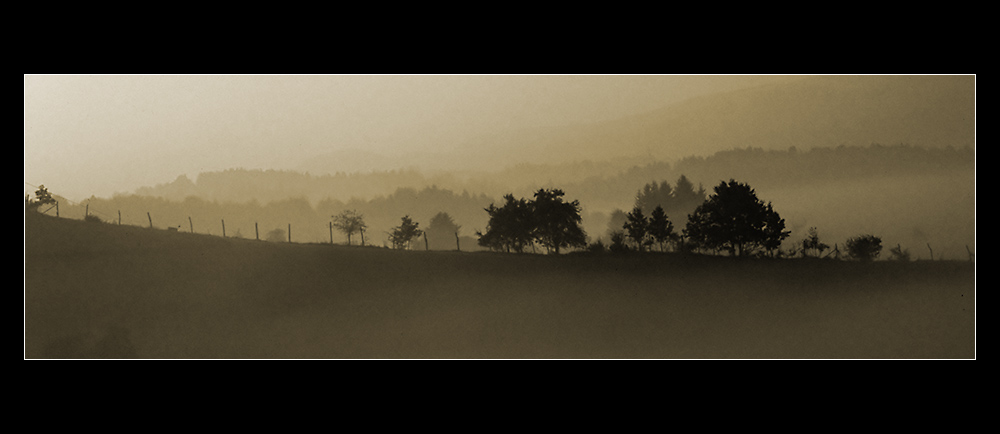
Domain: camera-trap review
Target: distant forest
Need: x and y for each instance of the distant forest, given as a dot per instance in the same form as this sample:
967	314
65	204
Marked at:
598	185
274	199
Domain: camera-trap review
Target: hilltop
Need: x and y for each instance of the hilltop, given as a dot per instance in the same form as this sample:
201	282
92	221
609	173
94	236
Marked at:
812	111
102	290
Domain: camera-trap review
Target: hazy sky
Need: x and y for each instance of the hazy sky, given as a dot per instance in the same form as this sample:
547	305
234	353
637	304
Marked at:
97	135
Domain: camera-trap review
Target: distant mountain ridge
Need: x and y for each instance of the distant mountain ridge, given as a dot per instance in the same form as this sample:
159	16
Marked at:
824	111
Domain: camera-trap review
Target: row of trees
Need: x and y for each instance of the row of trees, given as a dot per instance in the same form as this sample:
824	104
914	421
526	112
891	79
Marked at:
442	228
733	220
547	220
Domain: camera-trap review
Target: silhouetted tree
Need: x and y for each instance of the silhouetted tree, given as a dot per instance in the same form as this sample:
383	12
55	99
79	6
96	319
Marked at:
349	222
42	197
407	230
441	232
557	223
865	248
510	226
549	220
637	228
735	220
812	243
661	229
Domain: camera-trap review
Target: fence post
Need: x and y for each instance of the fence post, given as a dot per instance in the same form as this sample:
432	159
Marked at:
362	237
119	217
458	244
223	228
191	224
932	250
150	219
87	212
256	231
57	208
331	232
289	232
426	246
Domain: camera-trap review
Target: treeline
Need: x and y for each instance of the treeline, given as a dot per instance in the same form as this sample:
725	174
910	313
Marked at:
308	222
243	185
599	185
732	220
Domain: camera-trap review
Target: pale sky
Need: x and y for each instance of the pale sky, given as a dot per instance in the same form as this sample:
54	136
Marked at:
97	135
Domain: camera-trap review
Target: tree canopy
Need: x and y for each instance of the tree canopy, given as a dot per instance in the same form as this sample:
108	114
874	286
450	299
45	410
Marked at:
349	222
548	220
511	226
735	220
865	248
441	232
404	233
637	228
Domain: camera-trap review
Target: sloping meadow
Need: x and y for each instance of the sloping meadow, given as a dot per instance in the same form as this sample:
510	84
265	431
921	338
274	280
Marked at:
102	291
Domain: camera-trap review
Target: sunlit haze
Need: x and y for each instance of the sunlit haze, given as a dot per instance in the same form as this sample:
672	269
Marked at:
97	135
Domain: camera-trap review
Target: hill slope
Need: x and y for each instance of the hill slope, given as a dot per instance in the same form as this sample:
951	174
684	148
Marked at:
98	290
825	111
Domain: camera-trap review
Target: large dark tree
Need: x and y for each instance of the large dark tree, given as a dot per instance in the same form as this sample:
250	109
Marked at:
511	226
735	220
519	223
557	222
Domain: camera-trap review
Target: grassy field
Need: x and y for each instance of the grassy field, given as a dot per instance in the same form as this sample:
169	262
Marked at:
97	290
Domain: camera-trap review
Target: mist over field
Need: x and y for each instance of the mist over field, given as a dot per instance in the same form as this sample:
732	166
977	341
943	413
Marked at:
229	191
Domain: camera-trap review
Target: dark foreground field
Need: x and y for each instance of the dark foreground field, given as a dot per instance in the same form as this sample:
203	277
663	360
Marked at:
103	291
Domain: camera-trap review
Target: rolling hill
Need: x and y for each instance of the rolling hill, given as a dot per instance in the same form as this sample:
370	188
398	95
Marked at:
95	290
822	111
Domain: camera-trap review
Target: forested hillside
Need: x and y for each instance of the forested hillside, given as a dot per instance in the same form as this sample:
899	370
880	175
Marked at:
841	190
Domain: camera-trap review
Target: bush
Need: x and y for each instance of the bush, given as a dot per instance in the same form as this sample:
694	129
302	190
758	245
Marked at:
275	236
900	254
618	243
597	247
92	218
864	247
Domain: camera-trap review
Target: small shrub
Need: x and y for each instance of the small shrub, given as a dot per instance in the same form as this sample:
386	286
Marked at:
864	248
92	218
597	247
618	244
899	254
275	236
